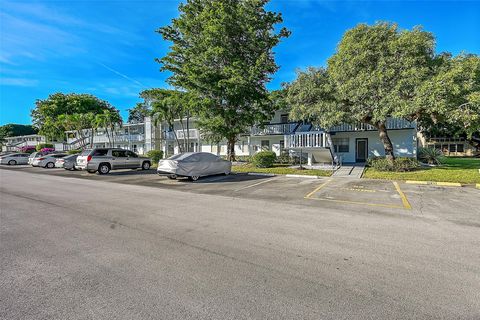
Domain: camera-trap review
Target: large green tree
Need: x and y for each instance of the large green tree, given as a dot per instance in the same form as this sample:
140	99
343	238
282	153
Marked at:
222	52
46	113
374	72
13	130
138	113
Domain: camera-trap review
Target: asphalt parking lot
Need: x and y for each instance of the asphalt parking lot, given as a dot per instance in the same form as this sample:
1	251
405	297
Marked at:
360	196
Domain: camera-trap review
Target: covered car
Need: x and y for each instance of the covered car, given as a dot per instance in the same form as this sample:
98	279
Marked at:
193	165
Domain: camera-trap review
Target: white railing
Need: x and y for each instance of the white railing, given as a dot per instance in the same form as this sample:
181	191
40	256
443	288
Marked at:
192	134
312	139
392	123
273	129
119	138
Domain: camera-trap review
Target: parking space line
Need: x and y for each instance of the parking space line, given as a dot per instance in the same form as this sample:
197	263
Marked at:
405	202
362	203
317	189
254	185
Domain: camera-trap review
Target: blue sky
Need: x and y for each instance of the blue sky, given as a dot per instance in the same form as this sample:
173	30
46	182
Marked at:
107	48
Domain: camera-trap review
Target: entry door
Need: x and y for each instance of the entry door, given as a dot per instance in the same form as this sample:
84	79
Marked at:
361	150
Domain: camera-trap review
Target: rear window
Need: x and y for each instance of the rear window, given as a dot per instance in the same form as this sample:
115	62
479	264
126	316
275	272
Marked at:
100	152
85	152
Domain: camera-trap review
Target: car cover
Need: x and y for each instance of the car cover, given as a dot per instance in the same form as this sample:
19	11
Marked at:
194	164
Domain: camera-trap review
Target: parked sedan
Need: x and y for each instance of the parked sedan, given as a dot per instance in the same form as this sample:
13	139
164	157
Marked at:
14	158
47	161
68	162
193	165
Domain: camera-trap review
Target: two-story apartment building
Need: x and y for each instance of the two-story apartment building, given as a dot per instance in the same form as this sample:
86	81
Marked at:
345	143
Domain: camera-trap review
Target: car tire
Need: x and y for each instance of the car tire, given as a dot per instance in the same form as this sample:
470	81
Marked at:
172	177
50	165
103	168
146	165
12	162
91	171
193	178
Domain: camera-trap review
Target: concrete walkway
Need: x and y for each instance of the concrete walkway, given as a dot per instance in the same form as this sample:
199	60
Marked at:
354	170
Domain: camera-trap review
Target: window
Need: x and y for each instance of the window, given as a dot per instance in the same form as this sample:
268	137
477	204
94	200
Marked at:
282	144
119	153
460	148
99	152
265	145
284	118
131	154
341	145
452	148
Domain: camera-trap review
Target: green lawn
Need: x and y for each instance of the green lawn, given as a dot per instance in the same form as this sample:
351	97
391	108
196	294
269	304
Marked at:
281	169
463	170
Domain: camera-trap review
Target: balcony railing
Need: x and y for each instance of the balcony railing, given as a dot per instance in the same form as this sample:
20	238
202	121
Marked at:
119	138
274	129
392	123
311	139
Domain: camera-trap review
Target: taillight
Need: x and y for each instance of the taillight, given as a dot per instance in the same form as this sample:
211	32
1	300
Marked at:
89	158
40	158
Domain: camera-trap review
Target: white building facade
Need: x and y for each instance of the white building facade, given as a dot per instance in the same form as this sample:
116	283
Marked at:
346	143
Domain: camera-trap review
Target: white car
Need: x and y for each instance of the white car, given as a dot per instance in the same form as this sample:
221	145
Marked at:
47	161
14	158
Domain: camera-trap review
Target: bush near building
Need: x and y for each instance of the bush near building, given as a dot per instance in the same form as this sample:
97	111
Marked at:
155	155
74	151
264	159
41	146
398	165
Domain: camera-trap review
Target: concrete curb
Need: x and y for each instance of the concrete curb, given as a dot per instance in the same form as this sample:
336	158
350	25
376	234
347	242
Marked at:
444	184
302	176
261	174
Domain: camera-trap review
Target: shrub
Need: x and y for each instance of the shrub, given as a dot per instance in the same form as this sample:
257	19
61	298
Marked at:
399	164
430	155
155	155
264	159
40	146
74	151
27	149
284	158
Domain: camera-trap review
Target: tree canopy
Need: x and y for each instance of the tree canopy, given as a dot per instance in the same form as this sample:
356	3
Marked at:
14	130
380	71
49	115
222	52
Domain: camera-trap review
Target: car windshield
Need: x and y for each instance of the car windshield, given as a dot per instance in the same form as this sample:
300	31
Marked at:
33	155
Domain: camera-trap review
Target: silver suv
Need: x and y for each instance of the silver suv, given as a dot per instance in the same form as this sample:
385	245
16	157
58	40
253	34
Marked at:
105	159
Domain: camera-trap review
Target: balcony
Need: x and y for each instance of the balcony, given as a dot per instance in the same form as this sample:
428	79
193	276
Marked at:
119	138
311	139
274	129
392	124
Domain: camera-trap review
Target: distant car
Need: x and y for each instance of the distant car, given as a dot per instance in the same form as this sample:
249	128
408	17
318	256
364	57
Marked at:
36	154
14	158
105	159
48	160
68	162
193	165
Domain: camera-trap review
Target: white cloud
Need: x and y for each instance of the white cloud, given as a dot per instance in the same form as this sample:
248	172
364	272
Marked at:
18	82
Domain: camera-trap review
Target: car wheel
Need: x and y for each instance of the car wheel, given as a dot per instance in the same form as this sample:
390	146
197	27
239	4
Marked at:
226	173
12	162
146	165
193	178
172	176
50	165
103	168
91	171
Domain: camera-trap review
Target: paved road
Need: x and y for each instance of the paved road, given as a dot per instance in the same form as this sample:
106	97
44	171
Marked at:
88	249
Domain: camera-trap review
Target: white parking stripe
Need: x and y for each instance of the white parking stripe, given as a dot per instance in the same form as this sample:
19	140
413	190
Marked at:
255	184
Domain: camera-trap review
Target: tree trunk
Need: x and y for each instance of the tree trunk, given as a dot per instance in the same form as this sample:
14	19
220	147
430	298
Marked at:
387	143
231	149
